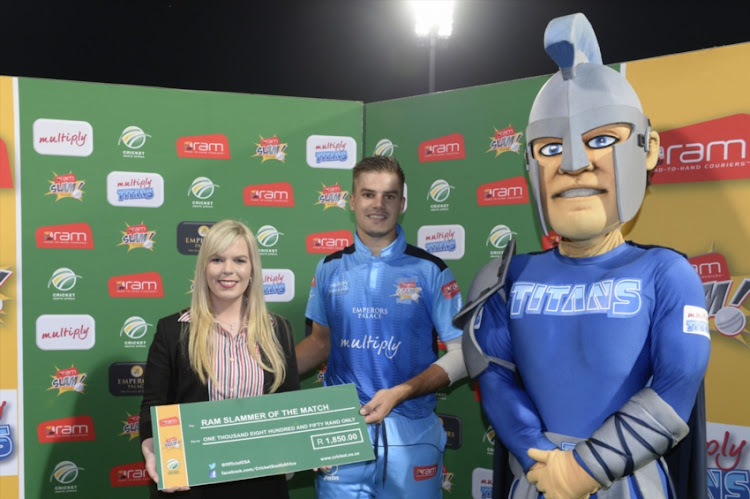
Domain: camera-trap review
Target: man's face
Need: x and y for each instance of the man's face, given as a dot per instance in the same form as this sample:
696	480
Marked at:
581	205
377	201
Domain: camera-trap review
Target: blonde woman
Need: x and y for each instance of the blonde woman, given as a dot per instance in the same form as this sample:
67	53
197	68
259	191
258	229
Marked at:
226	345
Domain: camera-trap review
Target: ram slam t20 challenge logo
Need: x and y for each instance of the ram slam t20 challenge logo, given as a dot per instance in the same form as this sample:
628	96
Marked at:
66	186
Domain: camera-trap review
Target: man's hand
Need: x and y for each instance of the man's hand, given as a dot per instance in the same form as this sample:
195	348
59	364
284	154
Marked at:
558	475
382	403
147	448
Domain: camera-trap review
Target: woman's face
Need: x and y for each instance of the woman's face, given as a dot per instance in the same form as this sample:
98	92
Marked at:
228	273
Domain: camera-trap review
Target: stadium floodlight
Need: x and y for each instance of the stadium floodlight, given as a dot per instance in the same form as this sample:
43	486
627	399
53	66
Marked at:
433	19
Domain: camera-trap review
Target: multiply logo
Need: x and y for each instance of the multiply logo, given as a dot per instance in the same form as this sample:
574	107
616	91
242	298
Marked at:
328	242
6	439
481	483
63	137
330	151
65	332
134	138
135	189
270	148
131	426
6	179
712	150
127	475
278	285
137	236
67	236
215	146
502	192
505	140
442	148
143	285
72	429
728	465
66	186
332	196
727	312
446	241
278	194
68	380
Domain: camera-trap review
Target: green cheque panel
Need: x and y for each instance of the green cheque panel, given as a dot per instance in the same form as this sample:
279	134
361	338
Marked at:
224	440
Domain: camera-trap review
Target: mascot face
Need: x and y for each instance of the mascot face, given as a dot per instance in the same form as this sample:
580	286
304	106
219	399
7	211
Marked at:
580	204
589	143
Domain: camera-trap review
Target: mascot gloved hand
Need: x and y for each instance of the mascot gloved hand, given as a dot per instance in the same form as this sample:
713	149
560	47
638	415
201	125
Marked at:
559	476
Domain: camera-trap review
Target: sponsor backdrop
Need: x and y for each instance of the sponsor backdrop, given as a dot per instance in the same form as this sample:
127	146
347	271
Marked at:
120	183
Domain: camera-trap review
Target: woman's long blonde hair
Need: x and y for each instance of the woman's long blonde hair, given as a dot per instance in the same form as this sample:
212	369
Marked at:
202	323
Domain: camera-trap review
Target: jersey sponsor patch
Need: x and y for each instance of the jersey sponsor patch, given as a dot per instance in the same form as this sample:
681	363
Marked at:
424	472
450	290
695	321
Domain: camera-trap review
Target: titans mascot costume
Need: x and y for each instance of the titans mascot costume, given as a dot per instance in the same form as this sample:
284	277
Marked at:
589	355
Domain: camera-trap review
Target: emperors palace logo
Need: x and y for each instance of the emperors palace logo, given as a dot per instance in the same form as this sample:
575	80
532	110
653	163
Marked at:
725	296
143	285
68	380
332	196
66	186
443	148
214	146
278	194
270	148
712	150
407	290
503	192
505	140
138	236
67	236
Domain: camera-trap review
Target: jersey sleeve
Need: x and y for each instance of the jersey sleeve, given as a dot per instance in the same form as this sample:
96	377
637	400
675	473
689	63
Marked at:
680	340
446	302
315	307
507	405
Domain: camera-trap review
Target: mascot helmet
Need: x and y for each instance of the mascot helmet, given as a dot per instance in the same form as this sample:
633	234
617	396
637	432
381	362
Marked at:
582	96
